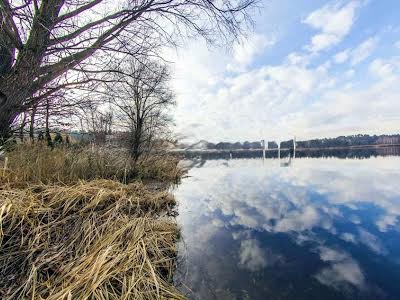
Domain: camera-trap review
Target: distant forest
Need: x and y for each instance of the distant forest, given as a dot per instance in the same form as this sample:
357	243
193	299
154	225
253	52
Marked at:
341	141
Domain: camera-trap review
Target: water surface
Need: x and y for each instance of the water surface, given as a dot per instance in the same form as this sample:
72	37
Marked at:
314	228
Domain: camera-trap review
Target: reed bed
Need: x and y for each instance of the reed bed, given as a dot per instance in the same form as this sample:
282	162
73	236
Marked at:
162	168
40	164
71	232
92	240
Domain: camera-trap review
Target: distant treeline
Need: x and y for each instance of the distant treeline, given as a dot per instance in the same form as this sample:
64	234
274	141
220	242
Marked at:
341	141
236	146
346	141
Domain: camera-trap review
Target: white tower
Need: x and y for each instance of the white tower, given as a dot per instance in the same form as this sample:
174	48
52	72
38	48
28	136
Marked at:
294	147
263	146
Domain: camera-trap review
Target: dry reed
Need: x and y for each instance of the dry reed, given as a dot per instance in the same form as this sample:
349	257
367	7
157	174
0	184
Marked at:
92	240
66	238
40	164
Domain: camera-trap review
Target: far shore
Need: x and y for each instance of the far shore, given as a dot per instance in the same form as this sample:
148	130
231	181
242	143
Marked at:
287	149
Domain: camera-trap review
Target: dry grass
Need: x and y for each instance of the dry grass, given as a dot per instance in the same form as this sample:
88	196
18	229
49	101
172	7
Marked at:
159	167
93	240
40	164
70	229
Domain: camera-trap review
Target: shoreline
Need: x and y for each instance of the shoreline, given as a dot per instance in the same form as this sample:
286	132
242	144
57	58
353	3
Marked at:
179	151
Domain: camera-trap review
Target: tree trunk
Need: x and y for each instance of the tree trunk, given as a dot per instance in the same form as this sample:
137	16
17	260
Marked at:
13	92
48	136
32	125
17	82
22	127
7	117
136	142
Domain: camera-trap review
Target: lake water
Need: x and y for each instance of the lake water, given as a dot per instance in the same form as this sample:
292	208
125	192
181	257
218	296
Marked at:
311	228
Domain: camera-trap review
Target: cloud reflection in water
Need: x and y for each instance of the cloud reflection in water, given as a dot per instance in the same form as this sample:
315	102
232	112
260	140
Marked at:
334	212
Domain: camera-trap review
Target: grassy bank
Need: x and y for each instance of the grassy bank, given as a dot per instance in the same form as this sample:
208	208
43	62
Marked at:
70	228
38	163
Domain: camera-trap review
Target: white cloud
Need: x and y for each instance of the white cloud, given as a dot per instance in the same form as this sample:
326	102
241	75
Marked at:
328	254
294	96
385	69
300	220
252	256
340	273
322	41
386	221
334	23
363	51
263	94
299	59
344	109
290	77
343	269
348	237
371	241
279	101
349	73
358	54
245	51
341	57
397	44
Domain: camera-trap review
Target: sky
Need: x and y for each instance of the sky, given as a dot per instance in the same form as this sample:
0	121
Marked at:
308	69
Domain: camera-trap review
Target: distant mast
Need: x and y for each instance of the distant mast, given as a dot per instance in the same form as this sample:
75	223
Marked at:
263	147
279	150
294	147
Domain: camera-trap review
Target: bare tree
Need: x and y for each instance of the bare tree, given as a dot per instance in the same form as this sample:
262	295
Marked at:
41	40
143	98
32	123
22	126
59	110
97	123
